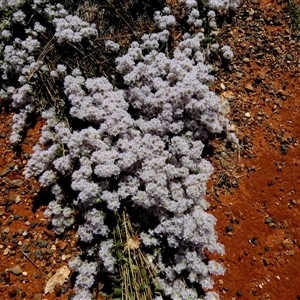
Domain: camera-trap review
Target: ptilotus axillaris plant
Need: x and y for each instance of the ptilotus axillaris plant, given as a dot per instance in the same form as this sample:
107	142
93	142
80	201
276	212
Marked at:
111	151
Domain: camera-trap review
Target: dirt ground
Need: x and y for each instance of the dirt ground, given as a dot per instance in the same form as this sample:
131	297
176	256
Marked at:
258	209
254	193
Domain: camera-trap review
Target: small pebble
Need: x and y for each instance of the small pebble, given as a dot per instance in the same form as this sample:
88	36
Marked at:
229	228
17	270
33	225
43	244
38	253
249	87
18	199
12	293
239	293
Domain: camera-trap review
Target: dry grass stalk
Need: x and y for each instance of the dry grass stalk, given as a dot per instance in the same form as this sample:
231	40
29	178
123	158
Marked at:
137	276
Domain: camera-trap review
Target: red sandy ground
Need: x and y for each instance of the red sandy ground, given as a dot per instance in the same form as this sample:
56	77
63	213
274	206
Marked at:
262	206
263	259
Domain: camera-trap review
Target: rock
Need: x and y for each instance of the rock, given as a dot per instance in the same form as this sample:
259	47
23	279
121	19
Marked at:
12	293
246	60
249	87
287	244
21	293
272	225
238	75
281	93
38	254
18	199
37	297
266	262
62	245
17	217
17	270
284	224
6	277
262	74
33	224
269	220
254	241
239	293
277	21
42	244
227	96
251	12
229	228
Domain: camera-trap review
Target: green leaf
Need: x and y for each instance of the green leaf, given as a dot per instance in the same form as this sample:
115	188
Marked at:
104	295
117	291
207	40
213	71
144	272
143	287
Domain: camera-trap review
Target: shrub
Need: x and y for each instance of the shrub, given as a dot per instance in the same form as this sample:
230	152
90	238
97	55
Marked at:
133	146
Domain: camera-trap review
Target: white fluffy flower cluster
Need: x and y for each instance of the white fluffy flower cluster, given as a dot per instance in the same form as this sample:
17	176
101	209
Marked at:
167	89
73	29
164	19
222	4
19	17
11	4
226	52
212	4
85	278
112	46
19	123
94	226
61	217
102	105
14	60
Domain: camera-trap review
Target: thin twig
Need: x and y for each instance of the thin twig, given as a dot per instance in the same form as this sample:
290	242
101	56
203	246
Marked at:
34	264
243	175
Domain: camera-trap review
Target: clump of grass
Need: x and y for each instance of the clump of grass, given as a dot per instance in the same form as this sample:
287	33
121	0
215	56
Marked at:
137	275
